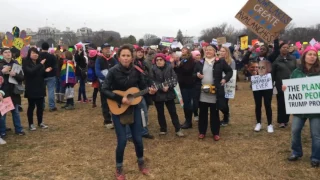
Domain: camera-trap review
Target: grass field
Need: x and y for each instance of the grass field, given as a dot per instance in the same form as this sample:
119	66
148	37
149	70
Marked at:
77	146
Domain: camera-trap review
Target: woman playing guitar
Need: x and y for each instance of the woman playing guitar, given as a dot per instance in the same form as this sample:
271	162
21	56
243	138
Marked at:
122	77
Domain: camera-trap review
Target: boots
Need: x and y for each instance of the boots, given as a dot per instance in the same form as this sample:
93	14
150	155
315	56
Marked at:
58	98
226	119
188	115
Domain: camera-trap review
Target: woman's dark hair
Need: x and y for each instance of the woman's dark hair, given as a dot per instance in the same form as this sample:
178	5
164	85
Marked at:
125	47
315	67
267	48
33	49
68	55
202	53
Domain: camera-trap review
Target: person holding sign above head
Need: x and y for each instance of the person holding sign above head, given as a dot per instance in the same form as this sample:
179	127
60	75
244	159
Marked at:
310	66
121	77
210	85
282	69
262	68
263	54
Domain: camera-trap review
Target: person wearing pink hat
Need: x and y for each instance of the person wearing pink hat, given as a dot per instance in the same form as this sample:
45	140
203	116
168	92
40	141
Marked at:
310	66
92	77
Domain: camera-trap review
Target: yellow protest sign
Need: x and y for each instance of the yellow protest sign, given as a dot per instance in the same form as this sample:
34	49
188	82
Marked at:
244	42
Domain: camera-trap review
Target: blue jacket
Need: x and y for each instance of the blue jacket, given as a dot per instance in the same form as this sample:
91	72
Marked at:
102	64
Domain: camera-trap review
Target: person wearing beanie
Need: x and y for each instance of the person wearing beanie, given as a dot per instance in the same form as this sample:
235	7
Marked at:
196	55
162	71
146	100
282	68
8	89
104	62
92	77
310	66
184	70
50	77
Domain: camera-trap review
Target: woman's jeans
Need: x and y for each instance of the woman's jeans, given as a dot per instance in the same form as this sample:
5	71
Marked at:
82	89
187	96
296	146
135	128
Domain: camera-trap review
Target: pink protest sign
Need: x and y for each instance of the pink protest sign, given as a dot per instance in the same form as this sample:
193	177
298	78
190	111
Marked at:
6	105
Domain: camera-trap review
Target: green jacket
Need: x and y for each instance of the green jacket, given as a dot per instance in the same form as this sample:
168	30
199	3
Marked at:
298	73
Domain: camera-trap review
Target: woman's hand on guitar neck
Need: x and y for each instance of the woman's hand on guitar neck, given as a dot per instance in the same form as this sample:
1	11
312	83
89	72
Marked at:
126	101
152	90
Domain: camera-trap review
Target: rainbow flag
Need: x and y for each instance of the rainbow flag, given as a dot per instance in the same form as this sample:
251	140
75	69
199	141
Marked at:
67	74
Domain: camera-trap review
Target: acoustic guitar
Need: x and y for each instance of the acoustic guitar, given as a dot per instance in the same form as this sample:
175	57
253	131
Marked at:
134	95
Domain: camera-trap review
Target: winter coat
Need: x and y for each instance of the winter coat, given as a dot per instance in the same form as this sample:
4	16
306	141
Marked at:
51	61
160	75
7	87
34	74
282	69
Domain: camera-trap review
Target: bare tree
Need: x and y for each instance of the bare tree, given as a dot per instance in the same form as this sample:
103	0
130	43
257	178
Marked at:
150	39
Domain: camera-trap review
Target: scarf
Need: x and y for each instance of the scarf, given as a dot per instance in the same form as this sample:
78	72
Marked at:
67	75
210	61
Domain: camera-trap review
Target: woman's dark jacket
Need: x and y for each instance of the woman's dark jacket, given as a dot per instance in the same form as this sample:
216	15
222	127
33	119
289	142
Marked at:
81	63
34	74
282	69
185	72
160	75
220	66
121	78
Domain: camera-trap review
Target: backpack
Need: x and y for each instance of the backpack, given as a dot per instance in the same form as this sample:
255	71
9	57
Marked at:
91	75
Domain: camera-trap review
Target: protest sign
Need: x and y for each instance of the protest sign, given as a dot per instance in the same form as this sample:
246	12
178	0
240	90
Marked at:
312	42
6	105
221	40
17	69
244	42
263	18
230	87
214	42
261	82
302	95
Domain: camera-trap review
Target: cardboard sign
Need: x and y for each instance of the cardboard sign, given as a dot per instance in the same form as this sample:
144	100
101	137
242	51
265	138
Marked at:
244	42
263	18
302	95
261	82
6	105
230	87
221	40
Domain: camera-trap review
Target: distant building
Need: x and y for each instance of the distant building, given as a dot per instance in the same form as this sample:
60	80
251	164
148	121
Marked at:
84	32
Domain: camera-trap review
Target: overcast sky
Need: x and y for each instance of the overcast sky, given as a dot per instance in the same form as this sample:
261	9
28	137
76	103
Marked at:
137	17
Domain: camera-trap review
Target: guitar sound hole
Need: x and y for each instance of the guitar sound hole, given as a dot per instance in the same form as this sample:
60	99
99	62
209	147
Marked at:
130	97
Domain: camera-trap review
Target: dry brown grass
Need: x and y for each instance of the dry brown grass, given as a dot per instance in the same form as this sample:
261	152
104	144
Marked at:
77	146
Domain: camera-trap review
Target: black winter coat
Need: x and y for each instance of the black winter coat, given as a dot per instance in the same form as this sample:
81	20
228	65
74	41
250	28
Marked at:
185	72
219	67
81	63
121	78
282	69
34	74
160	75
51	61
7	87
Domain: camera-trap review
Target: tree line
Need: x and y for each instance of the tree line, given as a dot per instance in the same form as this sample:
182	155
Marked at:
292	33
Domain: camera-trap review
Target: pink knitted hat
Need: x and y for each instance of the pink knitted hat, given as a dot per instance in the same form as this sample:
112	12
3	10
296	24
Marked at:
310	48
194	54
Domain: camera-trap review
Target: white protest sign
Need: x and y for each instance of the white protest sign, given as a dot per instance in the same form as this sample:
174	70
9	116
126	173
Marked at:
15	68
312	42
230	87
261	82
302	95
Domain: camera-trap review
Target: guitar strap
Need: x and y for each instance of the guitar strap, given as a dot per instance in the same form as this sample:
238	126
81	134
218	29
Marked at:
140	70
